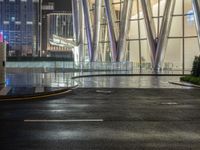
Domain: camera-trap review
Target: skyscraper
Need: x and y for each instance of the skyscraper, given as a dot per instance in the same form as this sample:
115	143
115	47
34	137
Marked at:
56	20
20	22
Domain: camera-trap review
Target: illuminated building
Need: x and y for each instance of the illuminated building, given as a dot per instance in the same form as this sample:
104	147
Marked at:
20	21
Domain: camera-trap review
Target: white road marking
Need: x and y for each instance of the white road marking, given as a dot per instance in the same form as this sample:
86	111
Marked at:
104	91
170	103
68	120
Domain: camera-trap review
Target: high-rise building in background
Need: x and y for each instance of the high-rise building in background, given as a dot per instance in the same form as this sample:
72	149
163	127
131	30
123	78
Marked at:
59	29
20	22
47	7
56	24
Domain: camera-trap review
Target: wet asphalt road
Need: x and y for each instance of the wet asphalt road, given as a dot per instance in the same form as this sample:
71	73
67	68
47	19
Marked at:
125	119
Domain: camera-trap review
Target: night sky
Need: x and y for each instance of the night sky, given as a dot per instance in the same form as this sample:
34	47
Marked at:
61	5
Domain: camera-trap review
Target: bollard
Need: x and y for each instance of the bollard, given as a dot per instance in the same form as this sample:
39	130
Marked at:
2	63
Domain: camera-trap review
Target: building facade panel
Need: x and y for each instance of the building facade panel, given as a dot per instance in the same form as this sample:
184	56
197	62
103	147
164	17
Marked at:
182	45
19	22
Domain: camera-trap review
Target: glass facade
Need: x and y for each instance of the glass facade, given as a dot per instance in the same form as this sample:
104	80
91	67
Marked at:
20	24
182	45
59	26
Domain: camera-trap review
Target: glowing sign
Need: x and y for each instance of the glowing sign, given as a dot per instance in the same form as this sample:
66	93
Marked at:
8	81
1	36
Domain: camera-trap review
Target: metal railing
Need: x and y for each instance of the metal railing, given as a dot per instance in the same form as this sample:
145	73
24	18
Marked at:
105	66
62	65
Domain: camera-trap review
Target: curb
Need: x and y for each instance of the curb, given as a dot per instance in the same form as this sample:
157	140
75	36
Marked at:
186	85
109	75
37	96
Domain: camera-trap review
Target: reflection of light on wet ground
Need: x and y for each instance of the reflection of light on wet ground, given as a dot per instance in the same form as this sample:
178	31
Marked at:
130	82
7	81
65	80
40	79
170	103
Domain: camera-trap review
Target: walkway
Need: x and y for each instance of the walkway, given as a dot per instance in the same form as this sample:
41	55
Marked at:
32	83
130	82
26	85
106	79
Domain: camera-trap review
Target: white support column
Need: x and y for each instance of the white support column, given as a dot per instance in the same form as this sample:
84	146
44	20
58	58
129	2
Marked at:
110	13
2	63
196	8
97	28
40	29
82	33
105	45
88	27
75	15
164	33
150	27
78	30
124	29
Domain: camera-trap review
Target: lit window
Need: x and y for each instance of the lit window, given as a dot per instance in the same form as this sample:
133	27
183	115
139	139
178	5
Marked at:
17	22
12	19
29	22
6	22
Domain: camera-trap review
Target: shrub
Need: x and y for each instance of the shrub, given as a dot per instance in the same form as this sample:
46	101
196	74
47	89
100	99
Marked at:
194	78
196	67
191	79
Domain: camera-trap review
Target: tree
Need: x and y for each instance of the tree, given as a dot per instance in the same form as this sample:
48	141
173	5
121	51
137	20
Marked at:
196	67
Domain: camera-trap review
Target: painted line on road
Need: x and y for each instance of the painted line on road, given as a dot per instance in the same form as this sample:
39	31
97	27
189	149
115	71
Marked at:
170	103
60	121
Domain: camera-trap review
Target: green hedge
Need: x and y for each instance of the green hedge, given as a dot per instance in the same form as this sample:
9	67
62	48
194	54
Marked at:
191	79
194	78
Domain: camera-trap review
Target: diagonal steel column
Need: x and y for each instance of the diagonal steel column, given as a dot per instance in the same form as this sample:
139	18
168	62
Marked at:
196	8
82	28
76	20
103	37
76	32
105	44
88	28
164	33
110	13
124	29
150	27
97	28
78	29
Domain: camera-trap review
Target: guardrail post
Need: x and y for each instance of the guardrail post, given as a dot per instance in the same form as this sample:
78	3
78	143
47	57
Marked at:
2	63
